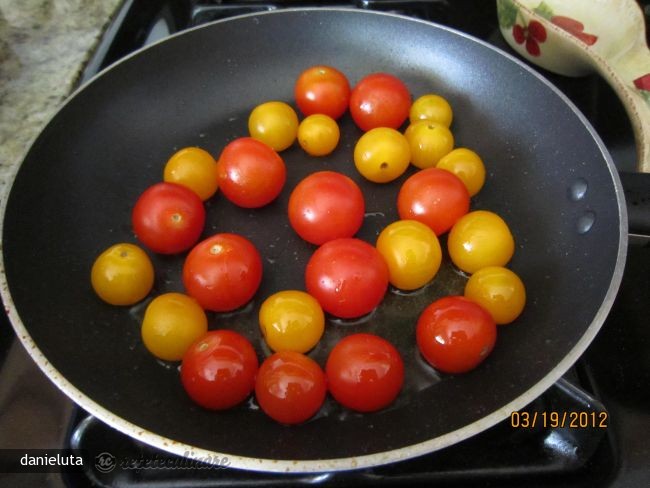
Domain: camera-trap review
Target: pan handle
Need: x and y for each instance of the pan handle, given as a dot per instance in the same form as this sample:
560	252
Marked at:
637	196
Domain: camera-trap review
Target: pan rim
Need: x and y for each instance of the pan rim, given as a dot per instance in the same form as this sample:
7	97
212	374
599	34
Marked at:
334	464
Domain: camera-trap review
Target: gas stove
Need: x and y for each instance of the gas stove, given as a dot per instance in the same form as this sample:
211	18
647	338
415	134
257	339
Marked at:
607	386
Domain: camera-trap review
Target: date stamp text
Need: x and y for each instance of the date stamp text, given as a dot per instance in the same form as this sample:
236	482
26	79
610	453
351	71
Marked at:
559	419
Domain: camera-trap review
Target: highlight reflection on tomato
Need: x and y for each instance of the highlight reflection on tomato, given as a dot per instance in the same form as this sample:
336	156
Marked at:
467	165
364	372
194	168
431	107
275	124
290	387
499	291
318	134
479	239
322	90
172	322
428	143
250	173
382	154
380	100
348	277
168	218
122	274
218	370
326	205
434	197
291	320
455	335
223	272
412	253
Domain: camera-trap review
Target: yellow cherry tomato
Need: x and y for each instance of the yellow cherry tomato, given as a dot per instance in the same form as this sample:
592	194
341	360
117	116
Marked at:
275	124
480	239
428	141
122	274
431	107
318	134
411	251
467	165
499	291
382	154
195	169
291	320
172	323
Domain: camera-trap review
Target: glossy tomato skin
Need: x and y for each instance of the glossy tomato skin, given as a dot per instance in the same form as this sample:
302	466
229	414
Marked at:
364	372
435	197
194	168
122	275
431	107
380	100
454	334
274	123
223	272
291	320
171	323
322	90
318	134
480	239
411	251
290	387
168	218
428	142
382	154
250	173
348	277
467	165
326	205
218	370
499	291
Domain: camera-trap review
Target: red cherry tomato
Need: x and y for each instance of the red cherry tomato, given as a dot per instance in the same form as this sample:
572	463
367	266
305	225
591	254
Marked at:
455	334
223	272
348	277
290	387
326	205
250	173
364	372
380	100
435	197
322	90
218	370
168	218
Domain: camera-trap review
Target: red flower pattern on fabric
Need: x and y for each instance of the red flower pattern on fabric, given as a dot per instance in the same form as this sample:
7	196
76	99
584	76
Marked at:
532	34
575	28
643	82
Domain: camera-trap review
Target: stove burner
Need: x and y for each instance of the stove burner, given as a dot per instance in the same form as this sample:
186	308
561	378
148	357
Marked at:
514	451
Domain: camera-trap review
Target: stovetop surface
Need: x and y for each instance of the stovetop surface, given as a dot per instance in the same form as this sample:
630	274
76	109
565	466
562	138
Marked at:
609	381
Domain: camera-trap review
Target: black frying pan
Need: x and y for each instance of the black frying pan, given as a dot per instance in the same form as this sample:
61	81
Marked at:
73	195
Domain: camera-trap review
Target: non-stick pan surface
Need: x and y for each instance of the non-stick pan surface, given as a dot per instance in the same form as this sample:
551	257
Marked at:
548	175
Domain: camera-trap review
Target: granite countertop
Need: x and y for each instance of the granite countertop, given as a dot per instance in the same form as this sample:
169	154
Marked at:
44	45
